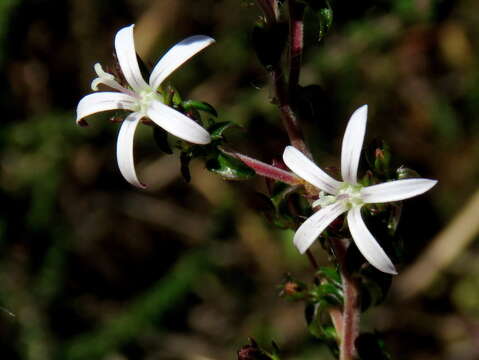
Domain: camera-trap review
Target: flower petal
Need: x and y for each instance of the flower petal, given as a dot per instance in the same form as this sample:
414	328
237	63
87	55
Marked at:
315	225
126	54
396	190
176	56
352	144
124	149
177	124
103	101
367	244
302	166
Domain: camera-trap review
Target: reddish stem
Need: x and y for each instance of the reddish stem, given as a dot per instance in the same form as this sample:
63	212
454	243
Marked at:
266	170
351	307
290	121
296	35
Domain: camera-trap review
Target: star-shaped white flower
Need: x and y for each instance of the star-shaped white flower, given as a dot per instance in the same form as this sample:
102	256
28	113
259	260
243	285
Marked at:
142	98
338	197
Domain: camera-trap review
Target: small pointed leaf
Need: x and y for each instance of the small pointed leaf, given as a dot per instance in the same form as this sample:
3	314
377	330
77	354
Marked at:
216	130
199	105
229	168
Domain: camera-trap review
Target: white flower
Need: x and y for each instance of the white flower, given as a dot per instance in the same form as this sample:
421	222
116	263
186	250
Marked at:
142	98
348	195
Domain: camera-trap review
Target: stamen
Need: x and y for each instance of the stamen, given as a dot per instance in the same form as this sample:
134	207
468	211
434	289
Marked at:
103	77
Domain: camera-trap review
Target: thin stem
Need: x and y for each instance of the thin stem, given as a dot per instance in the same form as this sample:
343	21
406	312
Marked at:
290	121
296	34
351	308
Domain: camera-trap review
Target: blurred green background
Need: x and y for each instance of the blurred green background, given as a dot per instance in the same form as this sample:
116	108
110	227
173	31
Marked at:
91	268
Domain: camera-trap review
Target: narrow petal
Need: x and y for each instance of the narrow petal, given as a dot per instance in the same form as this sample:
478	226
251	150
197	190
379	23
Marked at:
352	144
124	149
396	190
177	124
103	101
176	56
367	244
315	225
126	54
302	166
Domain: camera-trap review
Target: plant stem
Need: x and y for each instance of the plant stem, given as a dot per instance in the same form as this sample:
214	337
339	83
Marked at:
266	170
296	14
290	121
351	308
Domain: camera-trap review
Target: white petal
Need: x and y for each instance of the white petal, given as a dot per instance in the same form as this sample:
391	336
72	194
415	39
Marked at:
352	144
124	149
396	190
103	101
315	225
178	124
302	166
176	56
367	244
126	54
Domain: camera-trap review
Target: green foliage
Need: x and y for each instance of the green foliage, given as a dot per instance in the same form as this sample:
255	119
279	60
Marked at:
319	15
229	168
199	105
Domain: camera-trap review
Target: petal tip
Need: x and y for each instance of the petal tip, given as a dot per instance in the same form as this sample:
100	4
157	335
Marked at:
361	112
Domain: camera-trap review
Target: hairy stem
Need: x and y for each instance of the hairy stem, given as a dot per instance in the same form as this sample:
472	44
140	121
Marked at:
296	13
290	120
351	308
266	170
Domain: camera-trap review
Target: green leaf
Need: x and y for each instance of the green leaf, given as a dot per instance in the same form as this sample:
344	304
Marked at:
331	275
325	21
229	167
216	130
161	138
171	95
320	13
199	105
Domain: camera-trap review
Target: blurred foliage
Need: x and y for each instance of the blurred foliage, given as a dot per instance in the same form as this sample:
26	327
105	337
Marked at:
94	269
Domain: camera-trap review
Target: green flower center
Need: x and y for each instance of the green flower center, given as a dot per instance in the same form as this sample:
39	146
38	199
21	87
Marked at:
145	98
349	194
